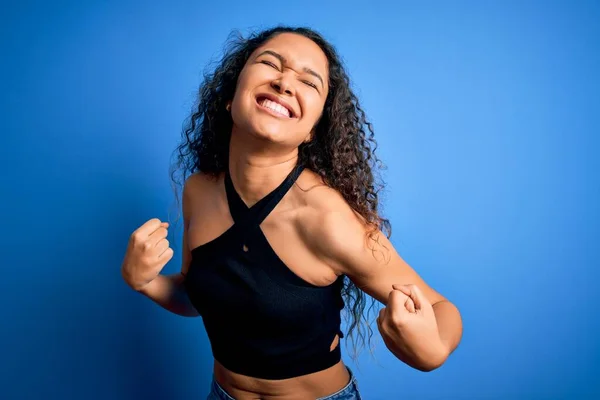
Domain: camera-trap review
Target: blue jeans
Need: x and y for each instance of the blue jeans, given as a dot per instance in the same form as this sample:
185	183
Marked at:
348	392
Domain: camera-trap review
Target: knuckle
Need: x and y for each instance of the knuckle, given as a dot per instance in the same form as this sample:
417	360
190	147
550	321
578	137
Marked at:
138	236
396	295
168	254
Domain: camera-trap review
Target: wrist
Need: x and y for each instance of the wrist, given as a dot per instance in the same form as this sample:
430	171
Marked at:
133	283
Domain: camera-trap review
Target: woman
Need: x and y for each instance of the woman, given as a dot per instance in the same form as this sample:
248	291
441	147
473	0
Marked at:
281	229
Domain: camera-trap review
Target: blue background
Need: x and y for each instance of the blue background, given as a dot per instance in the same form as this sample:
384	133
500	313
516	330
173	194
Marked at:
487	117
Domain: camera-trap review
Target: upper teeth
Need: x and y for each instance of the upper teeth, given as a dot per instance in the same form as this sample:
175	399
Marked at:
278	108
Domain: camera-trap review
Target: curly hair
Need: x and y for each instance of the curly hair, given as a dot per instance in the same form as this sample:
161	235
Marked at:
342	150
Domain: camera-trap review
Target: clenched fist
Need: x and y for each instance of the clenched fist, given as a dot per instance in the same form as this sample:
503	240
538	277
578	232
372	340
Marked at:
409	328
147	253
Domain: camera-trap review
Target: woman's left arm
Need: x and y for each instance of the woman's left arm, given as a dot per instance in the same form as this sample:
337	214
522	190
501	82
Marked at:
418	325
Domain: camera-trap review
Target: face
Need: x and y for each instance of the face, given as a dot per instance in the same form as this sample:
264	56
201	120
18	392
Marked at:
281	90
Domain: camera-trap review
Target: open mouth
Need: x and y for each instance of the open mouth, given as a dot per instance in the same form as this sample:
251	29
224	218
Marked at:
274	107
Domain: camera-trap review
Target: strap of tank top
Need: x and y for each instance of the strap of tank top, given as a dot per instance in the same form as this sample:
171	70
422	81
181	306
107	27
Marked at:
237	207
265	209
243	214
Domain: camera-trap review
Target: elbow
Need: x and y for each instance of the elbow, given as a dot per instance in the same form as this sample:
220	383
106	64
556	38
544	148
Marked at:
434	361
429	367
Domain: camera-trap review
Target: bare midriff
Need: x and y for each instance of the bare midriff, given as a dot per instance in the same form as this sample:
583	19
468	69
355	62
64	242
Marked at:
311	386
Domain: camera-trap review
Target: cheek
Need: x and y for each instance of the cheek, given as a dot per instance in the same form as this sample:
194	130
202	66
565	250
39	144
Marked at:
243	85
312	106
242	104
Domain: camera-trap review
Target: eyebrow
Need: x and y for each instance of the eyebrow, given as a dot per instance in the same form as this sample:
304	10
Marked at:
284	61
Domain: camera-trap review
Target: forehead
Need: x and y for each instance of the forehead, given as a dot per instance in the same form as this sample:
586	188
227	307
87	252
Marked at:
298	50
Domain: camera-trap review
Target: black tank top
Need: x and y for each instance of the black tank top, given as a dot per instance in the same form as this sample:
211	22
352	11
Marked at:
262	320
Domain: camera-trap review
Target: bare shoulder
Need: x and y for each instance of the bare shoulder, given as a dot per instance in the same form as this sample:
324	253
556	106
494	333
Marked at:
341	237
320	199
199	189
327	222
198	182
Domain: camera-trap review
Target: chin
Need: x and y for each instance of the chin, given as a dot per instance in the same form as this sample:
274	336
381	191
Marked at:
272	131
270	135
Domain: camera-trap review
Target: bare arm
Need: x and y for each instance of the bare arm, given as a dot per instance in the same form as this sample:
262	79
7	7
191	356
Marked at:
168	291
338	236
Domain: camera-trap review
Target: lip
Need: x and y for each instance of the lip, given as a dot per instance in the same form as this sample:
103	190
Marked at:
277	100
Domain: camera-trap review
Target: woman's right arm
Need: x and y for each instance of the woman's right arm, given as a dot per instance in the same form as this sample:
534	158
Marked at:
168	291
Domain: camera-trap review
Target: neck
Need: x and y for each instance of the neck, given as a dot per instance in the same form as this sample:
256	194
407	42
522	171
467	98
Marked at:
256	169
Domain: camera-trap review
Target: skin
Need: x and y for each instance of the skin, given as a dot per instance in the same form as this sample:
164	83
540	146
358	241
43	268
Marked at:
324	238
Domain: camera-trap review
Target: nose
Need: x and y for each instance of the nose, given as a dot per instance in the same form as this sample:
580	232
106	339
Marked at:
283	86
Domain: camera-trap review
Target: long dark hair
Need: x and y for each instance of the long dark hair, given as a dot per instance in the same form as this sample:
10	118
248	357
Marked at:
342	150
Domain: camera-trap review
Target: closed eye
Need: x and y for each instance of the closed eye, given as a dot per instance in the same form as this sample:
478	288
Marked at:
269	63
310	84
